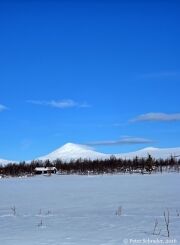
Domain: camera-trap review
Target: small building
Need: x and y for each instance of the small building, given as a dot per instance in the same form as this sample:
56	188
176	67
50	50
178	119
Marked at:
45	170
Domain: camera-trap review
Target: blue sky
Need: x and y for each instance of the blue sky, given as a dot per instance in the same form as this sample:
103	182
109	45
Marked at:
106	73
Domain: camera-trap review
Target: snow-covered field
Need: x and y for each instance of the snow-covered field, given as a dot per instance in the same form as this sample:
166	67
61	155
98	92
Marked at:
82	209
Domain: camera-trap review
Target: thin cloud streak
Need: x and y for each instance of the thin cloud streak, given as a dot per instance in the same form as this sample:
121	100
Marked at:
161	75
122	141
3	108
161	117
61	104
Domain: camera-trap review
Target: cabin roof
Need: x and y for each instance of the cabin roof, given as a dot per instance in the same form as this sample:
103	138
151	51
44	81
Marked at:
44	168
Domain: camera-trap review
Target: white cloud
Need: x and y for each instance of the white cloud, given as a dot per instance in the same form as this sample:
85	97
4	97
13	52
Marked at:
2	107
122	141
162	117
61	104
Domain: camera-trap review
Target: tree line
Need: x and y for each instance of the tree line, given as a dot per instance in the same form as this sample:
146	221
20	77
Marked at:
85	166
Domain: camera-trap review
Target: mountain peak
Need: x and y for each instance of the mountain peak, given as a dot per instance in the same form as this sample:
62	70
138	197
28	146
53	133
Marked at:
74	151
151	148
73	146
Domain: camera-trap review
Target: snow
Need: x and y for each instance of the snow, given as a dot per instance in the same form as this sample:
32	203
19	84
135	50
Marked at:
72	151
157	153
5	162
75	151
81	210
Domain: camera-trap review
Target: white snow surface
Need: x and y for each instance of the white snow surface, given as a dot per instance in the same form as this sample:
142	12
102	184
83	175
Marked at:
81	210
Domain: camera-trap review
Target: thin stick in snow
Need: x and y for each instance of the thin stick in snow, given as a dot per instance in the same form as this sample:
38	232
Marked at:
167	221
155	228
119	211
13	210
40	224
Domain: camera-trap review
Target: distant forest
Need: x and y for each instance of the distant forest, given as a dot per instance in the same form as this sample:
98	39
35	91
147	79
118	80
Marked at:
84	167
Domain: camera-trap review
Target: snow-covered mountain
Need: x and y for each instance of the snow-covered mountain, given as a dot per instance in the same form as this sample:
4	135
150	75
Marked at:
4	162
74	151
154	152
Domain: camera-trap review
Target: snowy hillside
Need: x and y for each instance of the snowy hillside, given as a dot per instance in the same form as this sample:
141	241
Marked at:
4	162
74	151
154	152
